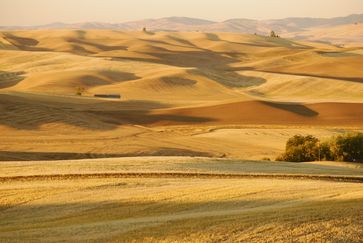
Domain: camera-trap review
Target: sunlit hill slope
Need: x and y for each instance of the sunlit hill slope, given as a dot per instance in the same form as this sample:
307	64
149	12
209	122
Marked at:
205	72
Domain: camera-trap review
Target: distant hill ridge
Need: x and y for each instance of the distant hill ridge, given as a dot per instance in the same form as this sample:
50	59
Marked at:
339	30
194	24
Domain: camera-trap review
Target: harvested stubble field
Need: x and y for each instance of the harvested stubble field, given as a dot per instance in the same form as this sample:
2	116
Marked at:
180	199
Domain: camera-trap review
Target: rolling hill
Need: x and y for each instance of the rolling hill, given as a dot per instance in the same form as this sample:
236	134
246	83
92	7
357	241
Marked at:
349	27
195	81
184	154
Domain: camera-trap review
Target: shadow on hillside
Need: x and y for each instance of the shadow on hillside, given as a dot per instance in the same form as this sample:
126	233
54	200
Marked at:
145	118
213	65
30	113
9	79
30	44
217	65
96	45
176	81
26	44
41	156
182	41
118	76
103	77
298	109
263	42
231	79
212	37
351	79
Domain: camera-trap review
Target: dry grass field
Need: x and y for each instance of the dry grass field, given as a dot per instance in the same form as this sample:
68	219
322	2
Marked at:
146	208
222	102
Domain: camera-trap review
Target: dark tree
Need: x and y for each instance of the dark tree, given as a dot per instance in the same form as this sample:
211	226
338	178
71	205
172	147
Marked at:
273	34
301	148
348	147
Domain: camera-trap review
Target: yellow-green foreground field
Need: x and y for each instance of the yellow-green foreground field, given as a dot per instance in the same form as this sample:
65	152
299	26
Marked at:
180	199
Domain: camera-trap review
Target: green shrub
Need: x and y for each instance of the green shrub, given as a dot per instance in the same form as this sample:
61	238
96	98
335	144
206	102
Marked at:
80	90
325	152
348	147
301	148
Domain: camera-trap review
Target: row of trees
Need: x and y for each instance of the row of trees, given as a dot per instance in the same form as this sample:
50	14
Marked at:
274	35
347	147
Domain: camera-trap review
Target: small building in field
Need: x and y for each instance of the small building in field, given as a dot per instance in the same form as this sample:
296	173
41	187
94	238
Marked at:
108	96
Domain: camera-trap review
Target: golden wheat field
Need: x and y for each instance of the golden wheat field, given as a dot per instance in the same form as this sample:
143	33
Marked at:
182	156
180	199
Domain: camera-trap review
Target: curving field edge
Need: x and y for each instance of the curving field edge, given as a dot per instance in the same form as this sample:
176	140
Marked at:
354	179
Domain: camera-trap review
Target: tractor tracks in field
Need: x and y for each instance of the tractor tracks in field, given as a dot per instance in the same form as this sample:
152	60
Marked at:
182	175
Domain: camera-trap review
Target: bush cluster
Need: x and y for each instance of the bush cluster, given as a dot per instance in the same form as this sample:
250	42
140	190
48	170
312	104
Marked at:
347	147
274	35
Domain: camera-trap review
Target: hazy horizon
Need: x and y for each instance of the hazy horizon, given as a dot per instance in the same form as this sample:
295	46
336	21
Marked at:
38	12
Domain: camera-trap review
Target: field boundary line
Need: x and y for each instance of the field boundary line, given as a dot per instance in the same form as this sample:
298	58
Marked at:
192	175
